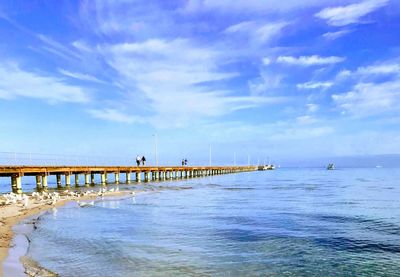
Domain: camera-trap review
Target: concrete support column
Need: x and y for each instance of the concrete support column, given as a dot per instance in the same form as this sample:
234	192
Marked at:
169	174
87	182
38	182
116	177
157	175
162	175
138	177
128	177
92	179
67	180
58	177
153	175
103	179
147	176
44	182
77	180
16	184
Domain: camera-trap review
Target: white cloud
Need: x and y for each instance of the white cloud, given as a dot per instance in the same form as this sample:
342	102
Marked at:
315	85
265	83
302	132
370	98
306	120
258	32
379	69
57	48
336	35
256	6
173	76
115	115
309	60
15	82
266	61
344	15
82	46
312	108
80	76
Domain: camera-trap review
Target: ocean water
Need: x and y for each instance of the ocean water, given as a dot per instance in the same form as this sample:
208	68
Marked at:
287	222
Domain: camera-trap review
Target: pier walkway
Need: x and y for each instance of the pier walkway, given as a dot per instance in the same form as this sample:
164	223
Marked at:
142	173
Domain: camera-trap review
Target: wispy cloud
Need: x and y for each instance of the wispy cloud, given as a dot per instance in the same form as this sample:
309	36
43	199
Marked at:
345	15
115	115
309	60
258	32
173	75
312	108
255	6
366	99
57	48
16	82
336	35
264	84
79	76
315	85
386	68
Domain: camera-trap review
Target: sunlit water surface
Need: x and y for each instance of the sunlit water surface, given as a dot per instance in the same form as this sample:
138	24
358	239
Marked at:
287	222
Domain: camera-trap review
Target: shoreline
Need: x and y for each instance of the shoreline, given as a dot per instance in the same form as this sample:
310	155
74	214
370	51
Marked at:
14	214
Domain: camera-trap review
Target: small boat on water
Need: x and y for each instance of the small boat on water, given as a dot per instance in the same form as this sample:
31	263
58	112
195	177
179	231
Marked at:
330	167
266	167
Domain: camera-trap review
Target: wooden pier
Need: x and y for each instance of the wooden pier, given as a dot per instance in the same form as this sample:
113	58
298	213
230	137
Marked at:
149	173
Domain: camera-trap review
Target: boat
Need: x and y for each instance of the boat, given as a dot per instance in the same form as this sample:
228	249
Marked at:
266	167
330	167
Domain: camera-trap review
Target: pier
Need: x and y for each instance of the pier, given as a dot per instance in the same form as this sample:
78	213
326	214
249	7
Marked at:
141	174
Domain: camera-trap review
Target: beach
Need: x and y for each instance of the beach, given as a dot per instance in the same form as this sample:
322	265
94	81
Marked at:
11	215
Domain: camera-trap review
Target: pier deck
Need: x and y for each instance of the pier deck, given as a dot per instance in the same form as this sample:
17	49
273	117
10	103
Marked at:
149	173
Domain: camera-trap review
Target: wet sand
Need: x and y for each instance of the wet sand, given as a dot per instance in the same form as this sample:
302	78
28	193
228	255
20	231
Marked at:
13	214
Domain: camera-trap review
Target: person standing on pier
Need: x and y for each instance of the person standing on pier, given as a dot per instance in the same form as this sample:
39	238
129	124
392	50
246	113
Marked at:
143	160
138	160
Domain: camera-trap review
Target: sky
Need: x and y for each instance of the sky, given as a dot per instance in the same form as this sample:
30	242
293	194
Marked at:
252	79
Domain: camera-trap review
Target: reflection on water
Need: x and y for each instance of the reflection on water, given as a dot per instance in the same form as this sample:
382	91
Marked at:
298	222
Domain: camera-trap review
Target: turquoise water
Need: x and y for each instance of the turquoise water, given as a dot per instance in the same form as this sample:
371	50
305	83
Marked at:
288	222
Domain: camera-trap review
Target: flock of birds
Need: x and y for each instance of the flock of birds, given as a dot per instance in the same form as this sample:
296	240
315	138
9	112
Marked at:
51	198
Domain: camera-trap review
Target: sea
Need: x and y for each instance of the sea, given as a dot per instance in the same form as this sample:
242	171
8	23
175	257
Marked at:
284	222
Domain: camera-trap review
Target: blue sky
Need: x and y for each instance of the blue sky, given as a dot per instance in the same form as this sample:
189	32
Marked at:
281	79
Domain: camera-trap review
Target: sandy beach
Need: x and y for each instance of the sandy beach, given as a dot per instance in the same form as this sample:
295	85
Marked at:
12	214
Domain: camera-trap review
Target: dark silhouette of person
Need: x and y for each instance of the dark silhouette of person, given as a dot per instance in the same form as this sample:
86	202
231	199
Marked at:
143	160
